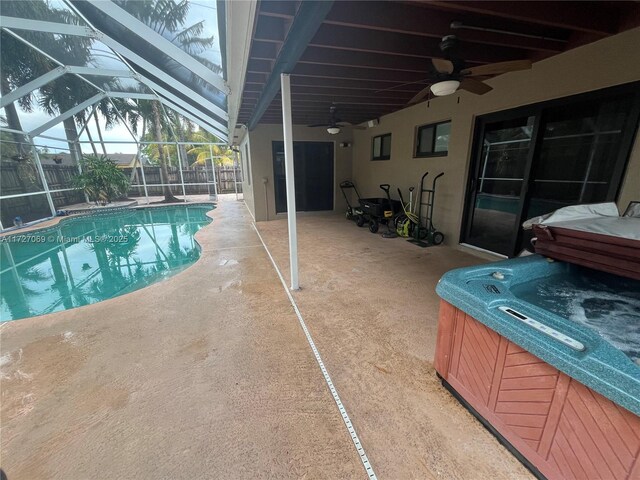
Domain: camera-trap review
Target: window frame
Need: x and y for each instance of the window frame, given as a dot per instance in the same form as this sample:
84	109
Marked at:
381	157
433	153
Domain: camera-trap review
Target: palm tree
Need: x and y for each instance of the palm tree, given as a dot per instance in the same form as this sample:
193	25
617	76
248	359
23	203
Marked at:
20	63
202	152
168	17
157	125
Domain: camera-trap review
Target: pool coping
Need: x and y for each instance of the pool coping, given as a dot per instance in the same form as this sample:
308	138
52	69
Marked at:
54	221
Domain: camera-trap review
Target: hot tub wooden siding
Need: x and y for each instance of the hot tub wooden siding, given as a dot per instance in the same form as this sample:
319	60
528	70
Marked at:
565	429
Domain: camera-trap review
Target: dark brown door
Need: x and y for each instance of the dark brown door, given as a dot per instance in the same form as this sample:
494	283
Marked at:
313	171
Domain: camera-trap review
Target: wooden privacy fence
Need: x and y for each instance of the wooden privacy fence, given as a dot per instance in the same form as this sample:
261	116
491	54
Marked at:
17	178
197	180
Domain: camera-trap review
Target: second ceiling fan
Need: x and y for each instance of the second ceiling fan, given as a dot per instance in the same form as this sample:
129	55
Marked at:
451	73
334	124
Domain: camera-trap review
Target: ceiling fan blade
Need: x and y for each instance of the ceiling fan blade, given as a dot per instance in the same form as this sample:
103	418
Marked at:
442	66
350	125
320	125
420	95
474	86
497	68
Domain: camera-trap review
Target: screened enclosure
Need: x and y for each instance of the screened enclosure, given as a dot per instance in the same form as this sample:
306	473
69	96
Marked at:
137	81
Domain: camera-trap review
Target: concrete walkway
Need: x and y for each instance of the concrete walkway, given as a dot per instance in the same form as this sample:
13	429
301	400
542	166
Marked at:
209	375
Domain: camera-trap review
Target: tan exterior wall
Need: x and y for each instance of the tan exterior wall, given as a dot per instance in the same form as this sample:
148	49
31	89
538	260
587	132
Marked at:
247	176
612	61
261	161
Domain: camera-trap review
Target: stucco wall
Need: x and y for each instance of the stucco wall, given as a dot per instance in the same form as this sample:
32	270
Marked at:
612	61
261	160
247	177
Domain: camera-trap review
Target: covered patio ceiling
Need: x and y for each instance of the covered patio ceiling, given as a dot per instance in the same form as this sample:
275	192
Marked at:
371	57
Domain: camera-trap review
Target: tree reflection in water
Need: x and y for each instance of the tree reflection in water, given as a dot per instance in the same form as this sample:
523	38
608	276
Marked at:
96	258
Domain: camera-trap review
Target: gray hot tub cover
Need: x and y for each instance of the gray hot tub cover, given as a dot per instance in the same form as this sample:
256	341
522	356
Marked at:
600	218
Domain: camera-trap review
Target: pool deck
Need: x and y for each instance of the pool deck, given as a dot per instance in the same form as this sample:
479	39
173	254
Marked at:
209	374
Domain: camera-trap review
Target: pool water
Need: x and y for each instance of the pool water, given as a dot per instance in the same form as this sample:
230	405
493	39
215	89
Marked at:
92	258
608	304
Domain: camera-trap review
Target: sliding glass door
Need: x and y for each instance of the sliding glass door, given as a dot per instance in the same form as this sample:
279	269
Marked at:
504	151
534	160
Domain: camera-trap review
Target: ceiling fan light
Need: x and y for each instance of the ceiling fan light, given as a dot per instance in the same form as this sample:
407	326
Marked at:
333	130
446	87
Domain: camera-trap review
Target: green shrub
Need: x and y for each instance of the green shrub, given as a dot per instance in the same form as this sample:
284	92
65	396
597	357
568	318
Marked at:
101	179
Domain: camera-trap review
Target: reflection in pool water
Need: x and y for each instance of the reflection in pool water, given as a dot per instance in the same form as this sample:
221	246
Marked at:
89	259
608	304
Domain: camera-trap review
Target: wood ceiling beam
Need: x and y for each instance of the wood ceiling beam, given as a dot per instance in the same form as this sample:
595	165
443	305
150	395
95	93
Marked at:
270	29
355	73
278	8
386	90
358	84
411	19
352	93
344	109
264	50
593	17
258	78
259	66
323	114
302	101
329	56
358	39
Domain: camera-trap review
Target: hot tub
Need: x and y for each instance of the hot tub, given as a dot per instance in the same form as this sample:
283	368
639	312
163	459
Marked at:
547	355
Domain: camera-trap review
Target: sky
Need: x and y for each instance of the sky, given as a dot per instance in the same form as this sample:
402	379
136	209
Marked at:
199	9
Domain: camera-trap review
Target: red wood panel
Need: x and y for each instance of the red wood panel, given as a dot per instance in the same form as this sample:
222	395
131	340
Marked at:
446	326
553	417
525	447
562	427
503	346
547	381
513	348
478	358
526	397
587	436
524	420
458	333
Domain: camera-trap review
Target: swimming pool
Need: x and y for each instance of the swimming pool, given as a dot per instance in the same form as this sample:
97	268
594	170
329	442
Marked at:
85	260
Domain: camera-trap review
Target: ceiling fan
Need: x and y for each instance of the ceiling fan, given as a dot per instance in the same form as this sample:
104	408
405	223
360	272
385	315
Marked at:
335	124
451	73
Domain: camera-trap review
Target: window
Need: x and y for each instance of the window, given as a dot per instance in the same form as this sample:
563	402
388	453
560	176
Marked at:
381	147
433	140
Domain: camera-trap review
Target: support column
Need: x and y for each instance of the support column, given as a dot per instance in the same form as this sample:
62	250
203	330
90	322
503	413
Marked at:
144	180
213	169
184	191
235	171
287	128
45	184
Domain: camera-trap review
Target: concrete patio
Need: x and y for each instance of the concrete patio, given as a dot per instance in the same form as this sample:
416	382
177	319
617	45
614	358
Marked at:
209	374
